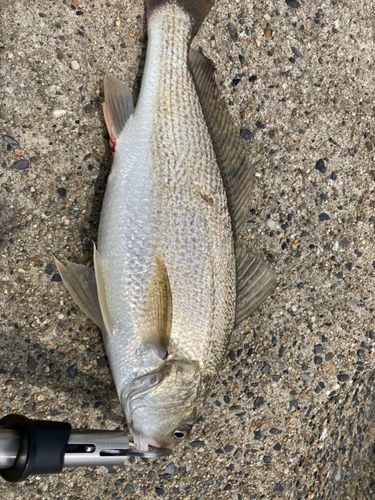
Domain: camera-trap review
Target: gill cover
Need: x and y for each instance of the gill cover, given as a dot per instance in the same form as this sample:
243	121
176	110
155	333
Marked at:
161	406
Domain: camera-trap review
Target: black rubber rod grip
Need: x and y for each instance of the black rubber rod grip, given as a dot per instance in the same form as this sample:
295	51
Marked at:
42	446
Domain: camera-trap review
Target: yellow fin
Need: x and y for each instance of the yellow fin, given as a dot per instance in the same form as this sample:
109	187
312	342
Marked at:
156	318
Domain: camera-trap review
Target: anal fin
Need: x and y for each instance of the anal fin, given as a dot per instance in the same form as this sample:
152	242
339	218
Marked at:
255	282
81	284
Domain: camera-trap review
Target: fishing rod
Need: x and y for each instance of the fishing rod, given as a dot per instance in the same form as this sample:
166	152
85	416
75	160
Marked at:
29	447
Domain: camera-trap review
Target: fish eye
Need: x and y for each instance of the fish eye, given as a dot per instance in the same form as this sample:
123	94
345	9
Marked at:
179	434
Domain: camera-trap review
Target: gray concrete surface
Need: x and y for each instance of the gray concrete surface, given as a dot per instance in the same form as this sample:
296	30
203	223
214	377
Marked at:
291	415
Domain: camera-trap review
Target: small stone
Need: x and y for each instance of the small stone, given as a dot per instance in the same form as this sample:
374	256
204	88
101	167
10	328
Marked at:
258	402
57	113
277	447
318	360
128	489
21	165
296	52
19	152
260	124
333	176
232	355
342	377
56	278
74	65
360	353
318	349
339	275
10	140
257	435
197	444
267	32
274	431
253	78
170	469
320	166
72	371
293	4
246	134
61	192
301	286
344	242
323	216
348	266
59	54
102	362
266	368
228	448
267	459
293	404
232	31
48	270
159	491
305	377
270	258
32	364
79	192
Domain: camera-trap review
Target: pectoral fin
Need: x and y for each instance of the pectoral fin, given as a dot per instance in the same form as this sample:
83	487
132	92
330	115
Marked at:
102	296
255	282
156	318
117	107
81	284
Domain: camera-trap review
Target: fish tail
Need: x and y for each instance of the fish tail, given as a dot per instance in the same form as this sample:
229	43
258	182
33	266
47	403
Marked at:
197	10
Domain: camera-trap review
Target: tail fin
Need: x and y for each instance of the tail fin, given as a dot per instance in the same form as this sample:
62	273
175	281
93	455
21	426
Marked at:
197	9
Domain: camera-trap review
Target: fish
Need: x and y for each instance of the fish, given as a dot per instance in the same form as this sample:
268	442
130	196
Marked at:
171	278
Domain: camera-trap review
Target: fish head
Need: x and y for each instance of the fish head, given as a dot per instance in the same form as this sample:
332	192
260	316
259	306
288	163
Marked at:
162	405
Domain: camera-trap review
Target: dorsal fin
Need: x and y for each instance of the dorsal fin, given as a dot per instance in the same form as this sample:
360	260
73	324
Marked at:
156	319
234	161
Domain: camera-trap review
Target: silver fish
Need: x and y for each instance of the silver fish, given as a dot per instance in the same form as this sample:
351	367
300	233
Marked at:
170	284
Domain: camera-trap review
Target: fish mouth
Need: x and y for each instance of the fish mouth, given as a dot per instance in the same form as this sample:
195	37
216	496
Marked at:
146	448
143	443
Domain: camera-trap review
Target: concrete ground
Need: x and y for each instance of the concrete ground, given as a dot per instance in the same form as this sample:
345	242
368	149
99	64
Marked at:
292	413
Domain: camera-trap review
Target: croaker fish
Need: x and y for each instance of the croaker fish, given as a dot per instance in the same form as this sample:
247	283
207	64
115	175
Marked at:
170	284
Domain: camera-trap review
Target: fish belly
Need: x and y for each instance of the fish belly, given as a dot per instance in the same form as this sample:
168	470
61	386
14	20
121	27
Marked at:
165	197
